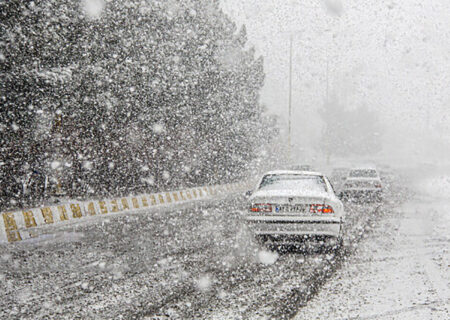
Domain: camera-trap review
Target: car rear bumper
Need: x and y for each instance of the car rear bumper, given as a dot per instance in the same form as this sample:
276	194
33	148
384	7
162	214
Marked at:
364	194
295	226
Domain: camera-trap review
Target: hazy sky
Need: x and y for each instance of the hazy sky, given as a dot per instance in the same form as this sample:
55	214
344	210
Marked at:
391	55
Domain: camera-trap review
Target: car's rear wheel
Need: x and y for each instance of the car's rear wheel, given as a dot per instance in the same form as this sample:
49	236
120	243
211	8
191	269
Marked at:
339	244
261	239
379	197
334	245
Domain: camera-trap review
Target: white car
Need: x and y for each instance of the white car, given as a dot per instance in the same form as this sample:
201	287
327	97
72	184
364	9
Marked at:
363	184
289	207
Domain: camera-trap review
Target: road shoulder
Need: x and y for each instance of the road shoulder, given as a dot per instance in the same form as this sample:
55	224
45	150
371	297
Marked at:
400	271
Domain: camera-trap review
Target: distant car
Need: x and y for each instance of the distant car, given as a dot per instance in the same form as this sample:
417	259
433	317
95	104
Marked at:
363	184
291	207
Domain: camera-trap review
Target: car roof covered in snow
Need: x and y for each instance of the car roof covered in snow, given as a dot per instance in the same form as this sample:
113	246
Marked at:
364	167
305	173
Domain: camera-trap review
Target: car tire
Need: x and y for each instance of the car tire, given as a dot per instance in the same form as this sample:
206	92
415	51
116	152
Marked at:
337	246
340	243
333	245
379	197
261	240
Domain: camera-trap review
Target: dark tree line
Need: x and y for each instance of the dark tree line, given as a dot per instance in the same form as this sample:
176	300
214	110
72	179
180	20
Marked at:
143	96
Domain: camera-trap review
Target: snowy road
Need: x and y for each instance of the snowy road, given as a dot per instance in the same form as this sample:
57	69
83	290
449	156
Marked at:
182	263
401	270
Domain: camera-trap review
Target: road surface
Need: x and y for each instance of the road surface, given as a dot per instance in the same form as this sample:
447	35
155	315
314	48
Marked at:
189	262
400	271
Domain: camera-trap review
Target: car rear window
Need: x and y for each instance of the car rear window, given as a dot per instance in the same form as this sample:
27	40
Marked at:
363	173
360	184
293	182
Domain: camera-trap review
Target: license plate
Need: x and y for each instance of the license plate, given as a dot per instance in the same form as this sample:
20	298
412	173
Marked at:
290	208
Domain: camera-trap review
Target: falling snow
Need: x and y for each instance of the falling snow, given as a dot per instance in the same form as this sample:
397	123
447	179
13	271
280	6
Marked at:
136	137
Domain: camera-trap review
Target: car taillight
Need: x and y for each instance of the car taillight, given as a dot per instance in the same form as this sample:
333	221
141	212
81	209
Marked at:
320	208
261	207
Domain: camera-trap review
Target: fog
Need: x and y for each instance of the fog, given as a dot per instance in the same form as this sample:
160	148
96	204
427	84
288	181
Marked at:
224	159
392	57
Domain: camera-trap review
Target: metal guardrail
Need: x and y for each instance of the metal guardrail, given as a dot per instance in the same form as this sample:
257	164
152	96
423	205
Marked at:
21	225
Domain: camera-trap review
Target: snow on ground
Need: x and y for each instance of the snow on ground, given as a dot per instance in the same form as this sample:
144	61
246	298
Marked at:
401	271
191	263
196	262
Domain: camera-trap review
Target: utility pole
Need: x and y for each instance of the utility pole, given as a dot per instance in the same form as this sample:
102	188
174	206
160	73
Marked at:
290	99
328	71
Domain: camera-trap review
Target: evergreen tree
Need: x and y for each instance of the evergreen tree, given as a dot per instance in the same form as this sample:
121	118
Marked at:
143	95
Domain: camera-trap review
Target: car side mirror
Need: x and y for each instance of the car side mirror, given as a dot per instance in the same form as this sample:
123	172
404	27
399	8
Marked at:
248	194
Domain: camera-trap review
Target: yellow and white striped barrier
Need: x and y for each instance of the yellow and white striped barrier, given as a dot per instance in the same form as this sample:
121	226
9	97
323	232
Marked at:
21	225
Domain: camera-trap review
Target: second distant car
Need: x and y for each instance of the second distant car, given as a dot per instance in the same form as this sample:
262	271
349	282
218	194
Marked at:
363	185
